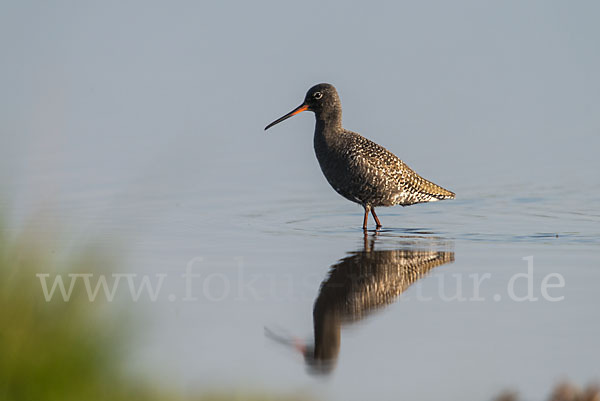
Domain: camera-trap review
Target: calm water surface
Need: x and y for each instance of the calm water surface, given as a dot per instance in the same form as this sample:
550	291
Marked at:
291	296
302	269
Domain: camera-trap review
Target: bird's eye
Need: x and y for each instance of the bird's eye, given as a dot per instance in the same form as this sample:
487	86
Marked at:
318	95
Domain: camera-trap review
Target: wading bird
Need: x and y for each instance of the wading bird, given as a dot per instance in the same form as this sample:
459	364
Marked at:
359	169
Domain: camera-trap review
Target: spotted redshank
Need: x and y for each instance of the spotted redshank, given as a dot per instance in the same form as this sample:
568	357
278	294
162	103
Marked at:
359	169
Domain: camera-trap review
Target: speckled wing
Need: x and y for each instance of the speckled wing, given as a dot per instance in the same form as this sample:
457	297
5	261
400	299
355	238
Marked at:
388	180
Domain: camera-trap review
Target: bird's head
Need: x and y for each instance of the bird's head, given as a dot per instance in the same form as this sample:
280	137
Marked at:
322	99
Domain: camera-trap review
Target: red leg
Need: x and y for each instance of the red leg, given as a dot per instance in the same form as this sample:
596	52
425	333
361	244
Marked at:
376	218
366	219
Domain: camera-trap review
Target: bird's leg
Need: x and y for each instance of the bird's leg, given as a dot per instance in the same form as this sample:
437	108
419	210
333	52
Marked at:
376	218
366	219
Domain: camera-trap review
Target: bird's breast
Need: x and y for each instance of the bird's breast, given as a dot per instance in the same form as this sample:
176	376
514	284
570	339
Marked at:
341	165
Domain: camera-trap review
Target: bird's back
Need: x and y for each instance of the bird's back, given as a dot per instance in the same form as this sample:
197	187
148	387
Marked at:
367	173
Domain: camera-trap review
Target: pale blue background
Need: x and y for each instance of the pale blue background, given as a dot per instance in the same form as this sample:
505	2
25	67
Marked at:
503	89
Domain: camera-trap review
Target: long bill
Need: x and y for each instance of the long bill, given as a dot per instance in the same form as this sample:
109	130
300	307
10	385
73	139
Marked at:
299	109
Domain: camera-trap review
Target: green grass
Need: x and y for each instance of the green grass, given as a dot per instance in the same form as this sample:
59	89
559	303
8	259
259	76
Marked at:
52	350
62	351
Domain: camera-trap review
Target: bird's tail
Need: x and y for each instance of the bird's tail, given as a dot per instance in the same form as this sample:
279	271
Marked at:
442	193
434	190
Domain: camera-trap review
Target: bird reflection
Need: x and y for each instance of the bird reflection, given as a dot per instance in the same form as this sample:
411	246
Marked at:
355	287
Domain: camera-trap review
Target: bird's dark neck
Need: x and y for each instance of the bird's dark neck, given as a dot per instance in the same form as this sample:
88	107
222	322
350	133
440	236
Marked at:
329	121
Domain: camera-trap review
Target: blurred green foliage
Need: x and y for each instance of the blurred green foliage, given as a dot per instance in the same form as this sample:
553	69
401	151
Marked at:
62	351
52	350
